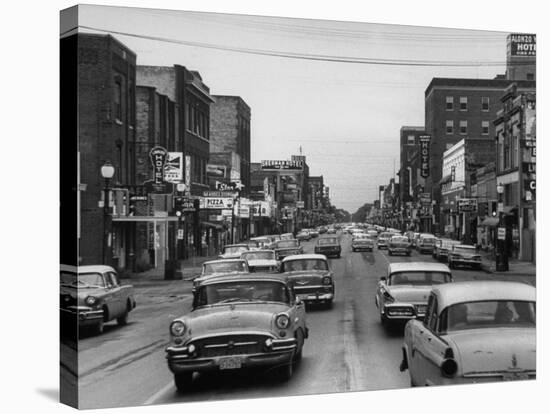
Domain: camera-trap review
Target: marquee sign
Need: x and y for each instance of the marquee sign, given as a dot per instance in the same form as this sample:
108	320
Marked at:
425	155
282	165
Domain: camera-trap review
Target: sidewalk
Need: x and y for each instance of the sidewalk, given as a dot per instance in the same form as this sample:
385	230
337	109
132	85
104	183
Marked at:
516	267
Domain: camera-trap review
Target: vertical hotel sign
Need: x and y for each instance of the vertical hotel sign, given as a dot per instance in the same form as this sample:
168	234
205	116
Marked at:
424	155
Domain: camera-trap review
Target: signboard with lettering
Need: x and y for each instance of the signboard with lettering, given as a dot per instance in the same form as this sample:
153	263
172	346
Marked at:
282	164
425	155
216	170
173	169
501	235
467	205
188	172
522	44
219	193
425	198
216	203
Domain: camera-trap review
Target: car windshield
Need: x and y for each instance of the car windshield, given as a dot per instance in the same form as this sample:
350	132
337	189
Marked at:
464	249
223	267
287	243
399	239
235	249
419	278
386	235
328	241
305	264
488	314
83	280
259	256
242	291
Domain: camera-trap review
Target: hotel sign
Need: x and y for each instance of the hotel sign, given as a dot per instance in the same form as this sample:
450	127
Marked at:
522	44
425	155
282	165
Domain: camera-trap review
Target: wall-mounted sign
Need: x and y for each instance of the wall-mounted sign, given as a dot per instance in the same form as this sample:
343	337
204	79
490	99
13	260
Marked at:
216	203
300	204
158	156
425	198
425	155
467	205
173	169
188	172
282	165
522	44
224	194
501	233
216	170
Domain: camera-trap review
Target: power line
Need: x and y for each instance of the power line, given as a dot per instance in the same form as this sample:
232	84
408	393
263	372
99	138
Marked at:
305	56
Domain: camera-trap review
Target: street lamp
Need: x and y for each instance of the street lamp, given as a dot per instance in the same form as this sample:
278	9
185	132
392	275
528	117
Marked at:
107	172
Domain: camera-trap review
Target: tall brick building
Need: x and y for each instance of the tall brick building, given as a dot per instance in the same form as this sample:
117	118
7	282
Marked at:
230	132
105	85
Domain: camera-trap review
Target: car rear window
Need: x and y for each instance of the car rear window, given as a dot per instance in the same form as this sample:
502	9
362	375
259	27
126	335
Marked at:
304	264
328	241
419	278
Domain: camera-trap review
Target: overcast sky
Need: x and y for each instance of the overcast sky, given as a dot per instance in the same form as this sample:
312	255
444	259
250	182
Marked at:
346	116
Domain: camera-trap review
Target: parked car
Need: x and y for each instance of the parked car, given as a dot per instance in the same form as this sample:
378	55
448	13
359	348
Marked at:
478	331
464	255
284	248
233	251
310	277
399	245
238	322
442	247
362	242
261	261
425	243
92	296
403	293
329	246
383	240
303	235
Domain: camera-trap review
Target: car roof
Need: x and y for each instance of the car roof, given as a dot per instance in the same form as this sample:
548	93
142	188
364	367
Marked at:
225	261
479	290
236	245
258	251
304	257
95	269
466	246
417	266
245	277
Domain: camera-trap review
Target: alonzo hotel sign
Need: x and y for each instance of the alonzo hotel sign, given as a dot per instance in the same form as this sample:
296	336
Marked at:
522	44
424	155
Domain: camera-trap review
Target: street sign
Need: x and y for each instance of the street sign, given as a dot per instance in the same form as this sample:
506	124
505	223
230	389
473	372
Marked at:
180	234
184	204
501	235
467	205
300	204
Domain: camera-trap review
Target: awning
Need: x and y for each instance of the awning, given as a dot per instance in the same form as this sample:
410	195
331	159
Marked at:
143	218
445	179
212	225
490	221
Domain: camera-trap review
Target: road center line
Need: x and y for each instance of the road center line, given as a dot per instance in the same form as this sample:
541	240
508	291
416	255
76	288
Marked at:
351	350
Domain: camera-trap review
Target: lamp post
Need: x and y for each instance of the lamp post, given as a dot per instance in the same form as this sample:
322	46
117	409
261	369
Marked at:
501	262
107	172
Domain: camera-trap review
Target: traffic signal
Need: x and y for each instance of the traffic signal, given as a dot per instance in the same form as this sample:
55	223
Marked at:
493	208
178	207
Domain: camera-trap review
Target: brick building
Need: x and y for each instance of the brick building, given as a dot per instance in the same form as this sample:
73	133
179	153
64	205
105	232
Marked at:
105	85
230	132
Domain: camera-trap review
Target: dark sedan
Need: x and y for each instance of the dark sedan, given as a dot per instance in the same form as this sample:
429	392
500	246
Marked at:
329	246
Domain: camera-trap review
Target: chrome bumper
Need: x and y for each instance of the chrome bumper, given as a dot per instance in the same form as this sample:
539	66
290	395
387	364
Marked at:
404	311
84	315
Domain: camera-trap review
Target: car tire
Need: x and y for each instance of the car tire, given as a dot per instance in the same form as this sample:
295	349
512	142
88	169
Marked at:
383	320
413	384
299	348
284	372
409	254
183	381
390	253
98	328
339	255
123	320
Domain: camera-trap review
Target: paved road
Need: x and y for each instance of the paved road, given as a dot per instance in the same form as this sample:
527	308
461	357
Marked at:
347	350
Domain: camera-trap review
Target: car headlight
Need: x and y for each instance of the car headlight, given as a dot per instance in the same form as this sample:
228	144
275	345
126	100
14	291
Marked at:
282	321
177	328
90	300
327	280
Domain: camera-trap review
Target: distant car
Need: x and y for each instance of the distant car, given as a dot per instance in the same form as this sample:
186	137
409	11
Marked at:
383	240
464	255
303	235
233	251
329	246
425	243
284	248
477	331
399	245
261	261
362	242
310	277
403	293
322	230
220	267
331	230
262	242
314	233
442	247
287	236
238	322
92	296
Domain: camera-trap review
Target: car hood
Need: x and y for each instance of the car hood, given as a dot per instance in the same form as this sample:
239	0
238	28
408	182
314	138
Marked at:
410	293
233	317
80	293
262	262
496	349
467	255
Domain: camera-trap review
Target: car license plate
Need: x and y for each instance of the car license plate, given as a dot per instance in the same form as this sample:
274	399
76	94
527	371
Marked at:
230	363
515	376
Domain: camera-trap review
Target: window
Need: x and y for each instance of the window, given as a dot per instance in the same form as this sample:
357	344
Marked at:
449	127
515	141
117	98
410	140
449	103
485	103
463	103
530	76
484	127
463	125
507	151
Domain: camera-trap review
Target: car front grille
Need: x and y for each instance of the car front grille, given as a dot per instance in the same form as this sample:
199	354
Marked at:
67	301
229	345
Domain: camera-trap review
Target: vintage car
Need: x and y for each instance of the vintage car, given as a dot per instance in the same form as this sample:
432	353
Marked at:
362	242
233	251
92	296
303	235
329	246
314	233
238	322
399	245
310	277
287	236
261	260
284	248
403	293
331	230
262	242
442	247
425	243
384	239
464	255
477	331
